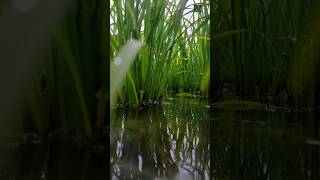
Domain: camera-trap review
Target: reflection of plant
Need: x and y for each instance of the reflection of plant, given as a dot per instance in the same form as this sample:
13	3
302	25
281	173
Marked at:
53	161
257	145
185	109
164	139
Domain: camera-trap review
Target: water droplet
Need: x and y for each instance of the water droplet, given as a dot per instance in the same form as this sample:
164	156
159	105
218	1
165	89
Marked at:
117	61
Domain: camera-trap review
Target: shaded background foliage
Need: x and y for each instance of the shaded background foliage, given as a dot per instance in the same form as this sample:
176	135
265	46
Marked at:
54	66
274	50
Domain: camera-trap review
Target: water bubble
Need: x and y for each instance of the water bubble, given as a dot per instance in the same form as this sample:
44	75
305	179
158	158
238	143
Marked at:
24	5
117	61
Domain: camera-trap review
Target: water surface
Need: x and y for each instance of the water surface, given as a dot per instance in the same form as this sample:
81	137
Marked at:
52	161
184	139
163	142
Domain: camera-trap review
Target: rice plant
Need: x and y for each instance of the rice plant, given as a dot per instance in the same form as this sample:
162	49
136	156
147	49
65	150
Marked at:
121	64
176	40
67	88
77	70
262	58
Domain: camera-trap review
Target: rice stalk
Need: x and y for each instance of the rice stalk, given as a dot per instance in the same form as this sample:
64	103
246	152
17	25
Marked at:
170	31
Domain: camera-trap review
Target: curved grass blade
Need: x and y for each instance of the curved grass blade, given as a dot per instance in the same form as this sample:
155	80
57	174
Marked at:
121	64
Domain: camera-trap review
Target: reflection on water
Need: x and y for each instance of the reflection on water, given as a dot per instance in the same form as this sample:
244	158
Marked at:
261	145
171	142
183	139
51	161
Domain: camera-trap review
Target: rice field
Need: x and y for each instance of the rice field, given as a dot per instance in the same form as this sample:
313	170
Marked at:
249	67
174	56
59	69
272	53
262	51
159	89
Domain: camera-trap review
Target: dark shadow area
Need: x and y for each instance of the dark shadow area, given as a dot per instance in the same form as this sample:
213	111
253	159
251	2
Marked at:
54	89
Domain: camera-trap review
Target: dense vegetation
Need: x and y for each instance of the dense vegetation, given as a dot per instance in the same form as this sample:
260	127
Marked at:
60	49
78	67
272	54
260	50
175	55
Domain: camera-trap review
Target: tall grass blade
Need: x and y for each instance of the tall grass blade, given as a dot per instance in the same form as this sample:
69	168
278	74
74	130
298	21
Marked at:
121	64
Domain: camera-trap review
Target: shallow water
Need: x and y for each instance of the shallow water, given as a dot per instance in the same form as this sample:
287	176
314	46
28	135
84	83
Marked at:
264	145
161	142
183	139
52	161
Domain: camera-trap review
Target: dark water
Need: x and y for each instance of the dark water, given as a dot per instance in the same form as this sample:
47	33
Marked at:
264	145
170	142
184	139
52	161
